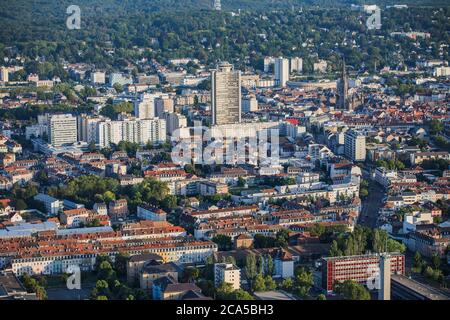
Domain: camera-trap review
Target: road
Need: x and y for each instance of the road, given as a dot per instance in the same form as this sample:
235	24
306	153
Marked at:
371	205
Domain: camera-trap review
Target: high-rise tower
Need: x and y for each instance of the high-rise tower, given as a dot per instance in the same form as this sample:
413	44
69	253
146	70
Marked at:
225	94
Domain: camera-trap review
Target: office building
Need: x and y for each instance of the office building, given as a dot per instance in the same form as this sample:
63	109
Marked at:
228	273
281	71
357	268
355	146
225	94
62	129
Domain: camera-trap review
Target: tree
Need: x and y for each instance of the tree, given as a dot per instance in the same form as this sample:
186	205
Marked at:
418	259
321	297
259	284
224	242
303	281
270	283
287	284
20	205
120	263
101	289
191	274
250	269
118	87
352	290
224	291
241	295
436	261
269	264
109	196
334	249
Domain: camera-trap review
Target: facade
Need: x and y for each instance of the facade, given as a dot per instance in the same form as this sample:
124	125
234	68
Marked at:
118	209
98	77
355	146
179	252
284	264
281	71
163	104
249	104
62	129
296	64
137	262
144	108
174	121
152	271
229	273
4	74
87	127
119	79
139	131
226	94
358	268
52	205
147	212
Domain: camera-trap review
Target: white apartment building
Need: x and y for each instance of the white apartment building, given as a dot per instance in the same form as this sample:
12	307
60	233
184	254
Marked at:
98	77
384	176
131	130
164	103
249	104
296	64
228	273
49	265
62	129
52	205
144	107
416	218
442	71
87	127
355	146
320	66
151	213
119	79
4	74
281	71
174	121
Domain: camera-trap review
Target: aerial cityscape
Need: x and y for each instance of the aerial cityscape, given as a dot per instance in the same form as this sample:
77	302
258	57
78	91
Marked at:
254	150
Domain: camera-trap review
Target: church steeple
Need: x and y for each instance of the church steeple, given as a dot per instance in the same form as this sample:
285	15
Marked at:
343	87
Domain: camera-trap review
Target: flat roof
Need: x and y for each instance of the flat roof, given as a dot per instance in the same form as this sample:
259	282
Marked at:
274	295
423	289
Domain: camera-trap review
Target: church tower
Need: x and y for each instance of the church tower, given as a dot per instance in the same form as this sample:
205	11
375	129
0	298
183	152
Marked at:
342	89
